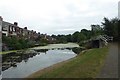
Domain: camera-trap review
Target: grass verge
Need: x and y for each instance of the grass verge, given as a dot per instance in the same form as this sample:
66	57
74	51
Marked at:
6	52
85	65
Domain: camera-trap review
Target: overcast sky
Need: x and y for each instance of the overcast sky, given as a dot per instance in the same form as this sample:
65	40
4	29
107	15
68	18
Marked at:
119	10
57	16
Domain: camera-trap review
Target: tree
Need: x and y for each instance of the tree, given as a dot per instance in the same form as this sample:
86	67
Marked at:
96	30
81	37
75	36
111	27
86	33
107	27
69	38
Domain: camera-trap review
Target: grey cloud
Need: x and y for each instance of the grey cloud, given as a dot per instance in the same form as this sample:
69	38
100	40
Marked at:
57	22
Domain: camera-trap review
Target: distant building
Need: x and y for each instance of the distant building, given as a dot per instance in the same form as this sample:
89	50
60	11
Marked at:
25	33
5	28
17	29
12	29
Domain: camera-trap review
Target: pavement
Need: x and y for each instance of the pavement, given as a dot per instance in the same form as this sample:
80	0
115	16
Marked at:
110	68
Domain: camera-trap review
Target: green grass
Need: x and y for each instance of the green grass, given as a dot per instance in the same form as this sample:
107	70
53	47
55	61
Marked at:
85	65
5	52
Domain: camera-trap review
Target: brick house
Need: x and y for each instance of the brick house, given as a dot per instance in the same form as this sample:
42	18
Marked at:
25	33
13	30
9	29
5	28
35	35
20	32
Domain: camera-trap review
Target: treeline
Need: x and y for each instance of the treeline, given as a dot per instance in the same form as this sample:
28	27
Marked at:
108	27
112	28
77	36
15	43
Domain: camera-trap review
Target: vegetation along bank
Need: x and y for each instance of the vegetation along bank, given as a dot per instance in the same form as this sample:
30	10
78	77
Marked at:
85	65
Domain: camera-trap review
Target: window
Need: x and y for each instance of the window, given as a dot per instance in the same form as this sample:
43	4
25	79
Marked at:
4	28
10	28
13	28
3	34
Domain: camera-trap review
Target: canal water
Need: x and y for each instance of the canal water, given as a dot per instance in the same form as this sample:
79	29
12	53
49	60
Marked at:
25	63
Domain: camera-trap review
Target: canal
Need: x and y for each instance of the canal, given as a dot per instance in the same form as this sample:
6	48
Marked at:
23	63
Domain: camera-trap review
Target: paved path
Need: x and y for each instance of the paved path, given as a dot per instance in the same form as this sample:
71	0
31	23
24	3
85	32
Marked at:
110	68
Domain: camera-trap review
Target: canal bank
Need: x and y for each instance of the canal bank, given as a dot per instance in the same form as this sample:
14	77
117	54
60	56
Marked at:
85	65
29	61
49	46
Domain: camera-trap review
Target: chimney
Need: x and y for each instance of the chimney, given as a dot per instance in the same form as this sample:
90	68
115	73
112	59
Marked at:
15	23
39	33
25	28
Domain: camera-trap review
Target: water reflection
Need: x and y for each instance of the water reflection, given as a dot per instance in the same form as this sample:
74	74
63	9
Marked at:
25	62
42	50
11	59
77	50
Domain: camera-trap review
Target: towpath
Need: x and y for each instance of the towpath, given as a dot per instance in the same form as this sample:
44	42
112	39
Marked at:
110	68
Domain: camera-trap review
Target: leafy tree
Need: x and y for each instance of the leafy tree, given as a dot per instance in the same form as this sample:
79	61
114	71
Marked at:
86	33
96	30
75	36
111	27
81	37
69	38
62	38
107	27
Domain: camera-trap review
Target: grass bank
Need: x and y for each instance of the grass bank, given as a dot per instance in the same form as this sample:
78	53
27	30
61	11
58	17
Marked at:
85	65
6	52
10	51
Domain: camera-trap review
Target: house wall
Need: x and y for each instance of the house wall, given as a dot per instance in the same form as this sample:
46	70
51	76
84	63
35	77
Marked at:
10	29
0	36
5	28
1	27
5	33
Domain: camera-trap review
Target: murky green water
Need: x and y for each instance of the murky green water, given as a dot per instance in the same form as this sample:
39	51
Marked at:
26	63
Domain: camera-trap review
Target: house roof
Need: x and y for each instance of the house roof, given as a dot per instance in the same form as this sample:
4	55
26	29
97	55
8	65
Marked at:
6	24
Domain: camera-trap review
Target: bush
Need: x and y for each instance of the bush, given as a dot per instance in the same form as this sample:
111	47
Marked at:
16	44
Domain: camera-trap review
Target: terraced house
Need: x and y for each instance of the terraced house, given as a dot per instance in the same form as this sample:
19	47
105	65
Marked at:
0	27
32	37
9	29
